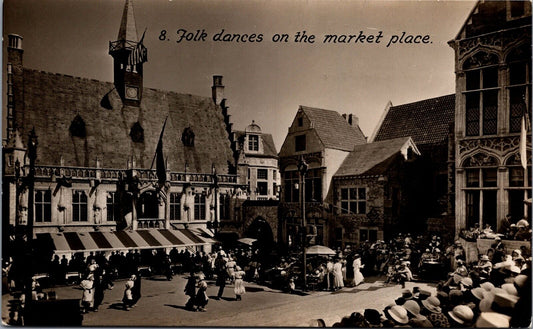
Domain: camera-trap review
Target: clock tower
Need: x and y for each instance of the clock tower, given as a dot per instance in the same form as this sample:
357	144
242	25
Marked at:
129	55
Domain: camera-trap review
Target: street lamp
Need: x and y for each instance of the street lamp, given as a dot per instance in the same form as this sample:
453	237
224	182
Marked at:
32	155
302	170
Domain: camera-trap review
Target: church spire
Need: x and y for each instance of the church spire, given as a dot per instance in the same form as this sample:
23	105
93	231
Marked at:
128	28
129	54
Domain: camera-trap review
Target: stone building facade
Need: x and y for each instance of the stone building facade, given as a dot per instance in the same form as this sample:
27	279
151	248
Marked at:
493	94
369	193
322	138
95	168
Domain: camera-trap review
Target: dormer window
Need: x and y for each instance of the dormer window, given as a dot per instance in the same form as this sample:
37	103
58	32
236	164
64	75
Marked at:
253	143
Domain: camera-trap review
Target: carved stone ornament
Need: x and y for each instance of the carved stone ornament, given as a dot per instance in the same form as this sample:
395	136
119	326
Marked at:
479	59
480	160
498	144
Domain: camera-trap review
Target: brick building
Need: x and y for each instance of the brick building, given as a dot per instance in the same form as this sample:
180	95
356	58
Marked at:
95	168
323	139
493	92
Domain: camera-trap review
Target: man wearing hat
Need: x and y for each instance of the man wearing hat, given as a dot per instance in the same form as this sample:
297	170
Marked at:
434	312
398	315
373	318
461	316
416	320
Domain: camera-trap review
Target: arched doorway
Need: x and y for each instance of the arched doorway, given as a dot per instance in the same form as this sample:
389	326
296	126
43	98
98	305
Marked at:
260	230
148	205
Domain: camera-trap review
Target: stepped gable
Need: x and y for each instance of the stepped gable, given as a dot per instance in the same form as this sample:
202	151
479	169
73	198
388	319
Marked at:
373	158
333	130
426	122
52	101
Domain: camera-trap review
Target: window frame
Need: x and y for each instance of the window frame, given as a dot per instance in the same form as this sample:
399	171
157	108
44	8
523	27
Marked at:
350	197
175	206
78	207
44	206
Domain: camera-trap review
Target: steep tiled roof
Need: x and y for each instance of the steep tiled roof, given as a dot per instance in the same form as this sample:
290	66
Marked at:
333	130
426	121
372	158
269	149
52	101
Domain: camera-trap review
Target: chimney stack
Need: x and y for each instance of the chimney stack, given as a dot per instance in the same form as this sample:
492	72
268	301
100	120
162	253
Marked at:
353	120
217	89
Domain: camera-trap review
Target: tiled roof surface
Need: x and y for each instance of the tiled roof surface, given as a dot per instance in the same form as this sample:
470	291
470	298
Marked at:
426	121
51	101
371	158
269	148
333	130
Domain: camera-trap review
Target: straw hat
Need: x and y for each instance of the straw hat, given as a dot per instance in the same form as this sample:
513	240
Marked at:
520	280
467	282
398	314
478	292
484	258
485	305
488	286
461	314
412	307
493	320
522	223
432	304
424	294
505	300
510	289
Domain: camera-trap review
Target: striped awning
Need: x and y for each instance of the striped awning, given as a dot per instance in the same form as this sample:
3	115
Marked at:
123	240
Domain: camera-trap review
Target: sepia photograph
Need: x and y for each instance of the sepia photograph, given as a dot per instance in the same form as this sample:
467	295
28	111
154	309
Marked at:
290	163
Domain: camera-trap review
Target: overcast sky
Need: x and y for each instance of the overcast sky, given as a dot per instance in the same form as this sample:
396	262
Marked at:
264	81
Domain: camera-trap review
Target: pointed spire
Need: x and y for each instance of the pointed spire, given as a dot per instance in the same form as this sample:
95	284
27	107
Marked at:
128	29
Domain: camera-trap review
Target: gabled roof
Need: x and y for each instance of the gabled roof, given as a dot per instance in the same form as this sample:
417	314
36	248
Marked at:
374	158
52	101
269	148
492	16
427	121
333	130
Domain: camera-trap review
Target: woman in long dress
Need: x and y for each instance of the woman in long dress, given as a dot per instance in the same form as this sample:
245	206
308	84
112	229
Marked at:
358	277
338	280
239	283
87	298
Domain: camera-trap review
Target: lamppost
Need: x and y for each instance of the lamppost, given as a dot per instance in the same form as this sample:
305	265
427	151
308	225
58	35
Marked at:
302	169
214	223
32	155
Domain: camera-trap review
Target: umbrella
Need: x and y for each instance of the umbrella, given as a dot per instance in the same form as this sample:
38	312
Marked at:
248	241
319	250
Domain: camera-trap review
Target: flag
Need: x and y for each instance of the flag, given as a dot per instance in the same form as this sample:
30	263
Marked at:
161	171
523	143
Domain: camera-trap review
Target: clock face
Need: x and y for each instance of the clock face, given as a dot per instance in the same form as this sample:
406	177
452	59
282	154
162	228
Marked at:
132	92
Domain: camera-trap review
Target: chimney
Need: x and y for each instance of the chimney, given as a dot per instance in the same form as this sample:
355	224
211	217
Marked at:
353	120
14	81
344	116
217	89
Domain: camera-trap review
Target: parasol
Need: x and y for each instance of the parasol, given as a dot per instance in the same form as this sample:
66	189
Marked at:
319	250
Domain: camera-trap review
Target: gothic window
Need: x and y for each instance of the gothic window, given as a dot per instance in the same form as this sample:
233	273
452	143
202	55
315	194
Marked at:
43	206
199	207
187	137
253	143
481	112
137	133
77	127
519	86
112	206
175	206
79	206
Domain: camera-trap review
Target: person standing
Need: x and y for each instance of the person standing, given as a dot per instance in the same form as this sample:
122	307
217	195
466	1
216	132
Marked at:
358	277
222	274
190	290
127	299
87	298
99	286
201	298
330	277
338	281
239	283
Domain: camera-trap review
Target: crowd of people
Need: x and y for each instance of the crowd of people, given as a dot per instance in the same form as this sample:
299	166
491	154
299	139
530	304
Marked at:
521	230
493	292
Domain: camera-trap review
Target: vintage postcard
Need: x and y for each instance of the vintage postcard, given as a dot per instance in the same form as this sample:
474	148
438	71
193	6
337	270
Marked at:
350	163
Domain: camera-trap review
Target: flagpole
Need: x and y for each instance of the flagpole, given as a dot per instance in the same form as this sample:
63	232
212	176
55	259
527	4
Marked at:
160	138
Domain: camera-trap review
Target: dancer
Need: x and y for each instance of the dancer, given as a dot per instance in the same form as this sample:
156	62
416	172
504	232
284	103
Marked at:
239	283
357	265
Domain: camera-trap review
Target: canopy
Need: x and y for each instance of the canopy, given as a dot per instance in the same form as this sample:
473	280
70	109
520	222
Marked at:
248	241
124	240
320	250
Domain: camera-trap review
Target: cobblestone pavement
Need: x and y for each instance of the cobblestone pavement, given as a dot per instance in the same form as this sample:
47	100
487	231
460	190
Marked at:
162	304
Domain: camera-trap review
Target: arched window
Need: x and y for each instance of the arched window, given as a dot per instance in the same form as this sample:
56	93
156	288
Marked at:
481	92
